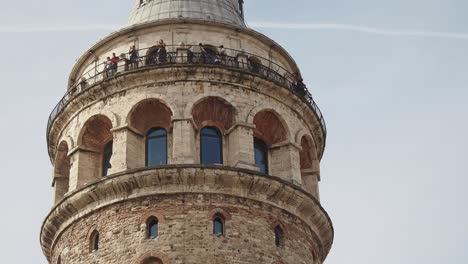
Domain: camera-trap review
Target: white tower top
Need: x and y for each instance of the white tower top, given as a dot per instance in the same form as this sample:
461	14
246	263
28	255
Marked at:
225	11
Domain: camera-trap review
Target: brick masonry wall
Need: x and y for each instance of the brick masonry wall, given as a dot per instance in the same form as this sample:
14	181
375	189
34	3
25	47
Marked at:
185	233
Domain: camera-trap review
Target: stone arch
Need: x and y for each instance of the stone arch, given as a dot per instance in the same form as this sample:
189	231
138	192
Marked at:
62	165
148	215
197	99
254	111
114	118
150	113
95	150
219	211
153	258
214	111
309	164
270	127
304	133
67	139
308	153
96	132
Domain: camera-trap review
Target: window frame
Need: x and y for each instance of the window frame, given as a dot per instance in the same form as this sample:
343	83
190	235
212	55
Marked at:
149	224
147	140
266	152
94	241
222	221
221	143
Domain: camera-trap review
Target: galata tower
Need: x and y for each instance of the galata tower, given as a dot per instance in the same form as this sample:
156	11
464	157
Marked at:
183	138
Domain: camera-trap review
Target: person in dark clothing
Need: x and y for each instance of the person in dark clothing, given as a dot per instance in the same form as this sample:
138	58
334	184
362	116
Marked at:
134	57
162	53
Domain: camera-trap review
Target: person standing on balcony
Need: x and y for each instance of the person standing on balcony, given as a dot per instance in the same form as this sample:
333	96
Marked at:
108	68
162	53
221	55
134	57
114	62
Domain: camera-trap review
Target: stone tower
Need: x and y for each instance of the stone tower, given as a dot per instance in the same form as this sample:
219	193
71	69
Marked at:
200	148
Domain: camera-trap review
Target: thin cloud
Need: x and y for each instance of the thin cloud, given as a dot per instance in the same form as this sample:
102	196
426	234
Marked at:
361	29
56	28
258	25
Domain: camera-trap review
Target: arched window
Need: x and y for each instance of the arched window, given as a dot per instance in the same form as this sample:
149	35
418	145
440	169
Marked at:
156	147
218	225
153	227
106	158
211	146
261	155
279	236
94	241
59	260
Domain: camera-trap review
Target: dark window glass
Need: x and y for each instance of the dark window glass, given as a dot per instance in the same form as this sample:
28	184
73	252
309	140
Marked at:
94	241
211	146
218	226
106	159
261	155
278	236
156	147
153	228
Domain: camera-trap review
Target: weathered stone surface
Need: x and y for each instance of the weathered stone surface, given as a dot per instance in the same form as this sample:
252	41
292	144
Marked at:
184	196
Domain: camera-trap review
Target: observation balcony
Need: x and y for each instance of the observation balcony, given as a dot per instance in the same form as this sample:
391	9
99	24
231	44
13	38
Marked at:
189	55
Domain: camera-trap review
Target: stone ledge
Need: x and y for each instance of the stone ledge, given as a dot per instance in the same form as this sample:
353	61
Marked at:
178	179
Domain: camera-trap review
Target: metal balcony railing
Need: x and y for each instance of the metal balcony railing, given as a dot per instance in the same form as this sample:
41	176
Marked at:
206	55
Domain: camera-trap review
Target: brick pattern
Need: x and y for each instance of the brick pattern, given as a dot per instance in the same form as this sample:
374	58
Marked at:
185	233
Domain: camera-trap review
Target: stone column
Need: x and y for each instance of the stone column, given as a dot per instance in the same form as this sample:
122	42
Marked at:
128	149
183	147
285	162
240	140
85	167
311	179
61	184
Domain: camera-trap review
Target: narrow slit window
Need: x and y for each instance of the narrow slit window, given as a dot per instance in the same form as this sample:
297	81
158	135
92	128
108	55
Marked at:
279	236
94	241
218	226
153	228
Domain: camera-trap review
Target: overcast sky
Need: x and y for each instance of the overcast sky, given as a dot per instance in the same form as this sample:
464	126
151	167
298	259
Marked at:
390	76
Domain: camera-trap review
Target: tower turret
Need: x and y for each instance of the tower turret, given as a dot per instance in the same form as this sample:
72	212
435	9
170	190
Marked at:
226	11
185	141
